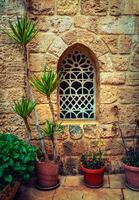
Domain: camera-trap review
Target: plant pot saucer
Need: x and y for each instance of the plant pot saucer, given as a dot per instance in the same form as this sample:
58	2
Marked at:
91	186
39	187
132	188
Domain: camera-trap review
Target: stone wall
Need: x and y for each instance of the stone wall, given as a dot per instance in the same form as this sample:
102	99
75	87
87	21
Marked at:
11	70
110	29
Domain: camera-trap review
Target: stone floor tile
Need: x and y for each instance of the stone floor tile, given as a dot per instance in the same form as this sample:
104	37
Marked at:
62	180
130	195
116	181
106	182
103	194
69	193
72	181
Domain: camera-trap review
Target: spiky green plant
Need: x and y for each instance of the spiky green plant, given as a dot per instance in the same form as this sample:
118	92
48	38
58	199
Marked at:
23	108
22	31
46	85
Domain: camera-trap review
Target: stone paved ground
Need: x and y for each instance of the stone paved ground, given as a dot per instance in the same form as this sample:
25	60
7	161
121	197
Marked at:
72	188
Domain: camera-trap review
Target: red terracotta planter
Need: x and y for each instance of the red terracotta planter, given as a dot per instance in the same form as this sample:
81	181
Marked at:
47	174
131	177
93	177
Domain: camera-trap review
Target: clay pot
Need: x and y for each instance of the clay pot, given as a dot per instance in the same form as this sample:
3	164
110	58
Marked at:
93	177
131	177
47	174
9	192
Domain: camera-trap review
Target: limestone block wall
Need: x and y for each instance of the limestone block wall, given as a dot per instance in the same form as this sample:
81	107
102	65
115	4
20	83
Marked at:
110	29
11	70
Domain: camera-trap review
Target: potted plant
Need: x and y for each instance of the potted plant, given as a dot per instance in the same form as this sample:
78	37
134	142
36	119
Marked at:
17	161
131	157
47	167
93	165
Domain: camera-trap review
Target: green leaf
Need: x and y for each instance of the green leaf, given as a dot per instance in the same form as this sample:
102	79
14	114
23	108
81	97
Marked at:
22	31
8	178
26	177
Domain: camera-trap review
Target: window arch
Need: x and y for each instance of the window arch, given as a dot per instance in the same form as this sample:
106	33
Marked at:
77	88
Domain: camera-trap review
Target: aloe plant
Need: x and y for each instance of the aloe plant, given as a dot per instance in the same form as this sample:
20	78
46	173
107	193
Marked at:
23	108
46	85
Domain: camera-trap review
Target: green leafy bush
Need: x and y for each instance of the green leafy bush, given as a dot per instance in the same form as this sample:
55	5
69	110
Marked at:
17	159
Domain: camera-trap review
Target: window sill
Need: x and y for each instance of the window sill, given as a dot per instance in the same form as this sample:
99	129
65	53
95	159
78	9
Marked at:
79	122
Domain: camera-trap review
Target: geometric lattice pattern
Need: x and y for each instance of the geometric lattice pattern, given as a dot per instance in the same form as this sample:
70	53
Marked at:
77	86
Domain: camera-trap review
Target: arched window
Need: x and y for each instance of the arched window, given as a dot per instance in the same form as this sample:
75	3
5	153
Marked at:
77	89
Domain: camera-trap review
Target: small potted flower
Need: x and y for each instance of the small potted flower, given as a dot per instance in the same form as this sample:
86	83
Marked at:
93	166
131	155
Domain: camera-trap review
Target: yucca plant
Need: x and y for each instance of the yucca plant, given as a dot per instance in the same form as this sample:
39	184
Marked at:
23	108
46	85
22	31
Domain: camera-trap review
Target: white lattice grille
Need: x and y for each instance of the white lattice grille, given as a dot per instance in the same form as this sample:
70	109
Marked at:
77	86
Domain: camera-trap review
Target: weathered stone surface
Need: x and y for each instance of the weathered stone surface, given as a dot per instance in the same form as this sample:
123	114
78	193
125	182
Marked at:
75	132
80	21
93	7
137	26
41	7
11	7
99	47
120	62
57	47
11	94
125	43
112	78
127	7
129	95
105	63
71	165
132	78
92	24
89	131
105	115
67	7
60	24
38	60
70	37
11	80
112	42
41	42
114	25
134	62
108	94
115	7
113	147
128	113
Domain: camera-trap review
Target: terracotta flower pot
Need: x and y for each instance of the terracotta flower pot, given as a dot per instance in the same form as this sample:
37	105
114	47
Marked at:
131	177
47	174
93	177
9	192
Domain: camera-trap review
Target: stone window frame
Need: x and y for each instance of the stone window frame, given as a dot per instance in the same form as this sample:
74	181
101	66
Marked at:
92	56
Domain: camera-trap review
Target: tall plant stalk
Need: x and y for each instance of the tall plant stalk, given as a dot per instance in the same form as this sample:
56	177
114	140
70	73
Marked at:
46	85
22	32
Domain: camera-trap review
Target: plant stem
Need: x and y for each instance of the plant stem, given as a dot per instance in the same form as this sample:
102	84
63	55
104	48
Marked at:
42	143
124	145
28	130
53	128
